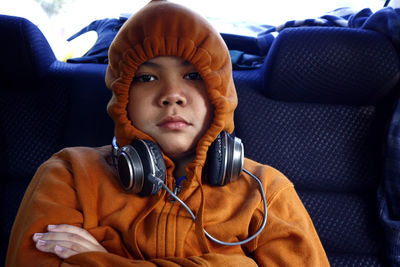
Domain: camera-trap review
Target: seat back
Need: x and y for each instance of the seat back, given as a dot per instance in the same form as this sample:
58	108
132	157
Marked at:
318	113
23	111
45	105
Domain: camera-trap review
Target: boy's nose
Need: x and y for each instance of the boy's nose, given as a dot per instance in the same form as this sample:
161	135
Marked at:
172	98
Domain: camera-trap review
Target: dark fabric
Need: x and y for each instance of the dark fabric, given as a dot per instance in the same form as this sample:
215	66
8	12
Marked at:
252	49
385	21
45	105
330	153
389	201
335	144
257	46
18	34
106	30
242	61
330	65
346	222
87	122
30	117
355	261
32	123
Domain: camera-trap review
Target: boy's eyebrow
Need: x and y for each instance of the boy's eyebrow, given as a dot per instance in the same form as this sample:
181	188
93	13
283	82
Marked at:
186	63
150	64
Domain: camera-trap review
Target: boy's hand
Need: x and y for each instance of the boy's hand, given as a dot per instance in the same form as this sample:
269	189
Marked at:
66	240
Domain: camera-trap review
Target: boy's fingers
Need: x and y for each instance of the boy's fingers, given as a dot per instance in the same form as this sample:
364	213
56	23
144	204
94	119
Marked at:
59	237
66	240
73	230
66	236
62	249
71	240
63	252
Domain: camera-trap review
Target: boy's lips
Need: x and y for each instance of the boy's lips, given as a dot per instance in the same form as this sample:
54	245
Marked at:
173	123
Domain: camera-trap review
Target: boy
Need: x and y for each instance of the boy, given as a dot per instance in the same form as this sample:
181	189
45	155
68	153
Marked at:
171	78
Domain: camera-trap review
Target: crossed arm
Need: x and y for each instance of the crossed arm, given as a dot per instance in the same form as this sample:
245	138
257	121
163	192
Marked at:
57	196
54	197
66	240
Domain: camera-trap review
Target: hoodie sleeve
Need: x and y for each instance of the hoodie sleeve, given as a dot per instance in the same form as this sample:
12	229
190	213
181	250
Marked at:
289	238
52	198
97	259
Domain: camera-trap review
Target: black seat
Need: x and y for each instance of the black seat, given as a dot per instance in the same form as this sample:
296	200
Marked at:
45	105
319	110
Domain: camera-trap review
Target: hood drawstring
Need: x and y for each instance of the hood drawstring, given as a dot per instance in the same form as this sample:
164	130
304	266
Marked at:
199	225
154	202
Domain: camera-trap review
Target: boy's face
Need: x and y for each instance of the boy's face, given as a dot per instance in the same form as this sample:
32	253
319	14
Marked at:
169	102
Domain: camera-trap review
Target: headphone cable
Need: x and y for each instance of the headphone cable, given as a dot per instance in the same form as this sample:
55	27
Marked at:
158	181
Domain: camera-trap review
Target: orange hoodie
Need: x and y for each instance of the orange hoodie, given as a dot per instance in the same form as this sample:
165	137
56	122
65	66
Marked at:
79	186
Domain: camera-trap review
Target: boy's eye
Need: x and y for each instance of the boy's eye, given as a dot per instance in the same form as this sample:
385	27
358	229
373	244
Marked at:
144	78
192	76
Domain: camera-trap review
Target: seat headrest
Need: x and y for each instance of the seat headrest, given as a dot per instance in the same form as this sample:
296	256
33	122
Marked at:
26	54
330	65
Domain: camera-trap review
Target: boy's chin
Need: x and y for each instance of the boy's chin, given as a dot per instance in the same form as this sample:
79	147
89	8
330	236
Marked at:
179	153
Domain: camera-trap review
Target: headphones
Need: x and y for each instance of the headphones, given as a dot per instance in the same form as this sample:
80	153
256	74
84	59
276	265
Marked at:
143	158
141	170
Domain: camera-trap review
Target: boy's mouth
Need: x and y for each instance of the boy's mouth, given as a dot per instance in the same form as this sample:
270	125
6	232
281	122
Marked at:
173	123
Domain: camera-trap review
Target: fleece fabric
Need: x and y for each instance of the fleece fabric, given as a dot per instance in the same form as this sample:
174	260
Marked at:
79	186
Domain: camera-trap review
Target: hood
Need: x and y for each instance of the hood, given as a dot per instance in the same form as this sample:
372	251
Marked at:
162	28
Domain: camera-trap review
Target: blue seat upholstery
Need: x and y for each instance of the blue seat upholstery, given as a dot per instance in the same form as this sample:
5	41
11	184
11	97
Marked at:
45	105
317	111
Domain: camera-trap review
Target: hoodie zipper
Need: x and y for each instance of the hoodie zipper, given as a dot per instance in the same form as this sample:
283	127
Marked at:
178	188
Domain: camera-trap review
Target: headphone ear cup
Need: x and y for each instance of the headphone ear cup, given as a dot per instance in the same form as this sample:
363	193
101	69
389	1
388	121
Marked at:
130	168
154	165
216	158
136	162
224	159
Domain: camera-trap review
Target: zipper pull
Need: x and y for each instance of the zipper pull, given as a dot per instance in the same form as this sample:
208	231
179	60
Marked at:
177	188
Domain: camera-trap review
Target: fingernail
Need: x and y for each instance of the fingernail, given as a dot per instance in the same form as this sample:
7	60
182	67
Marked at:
37	235
57	248
51	226
41	243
